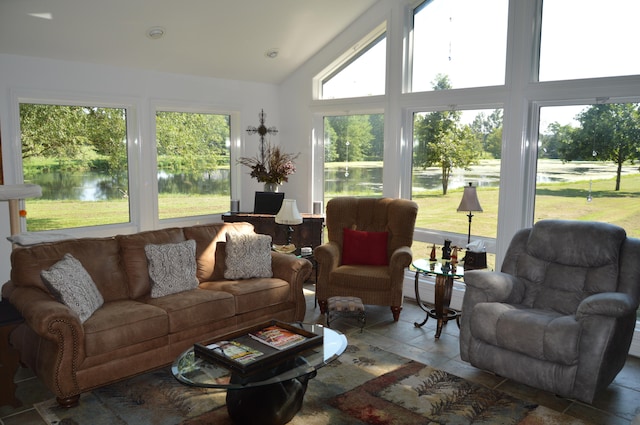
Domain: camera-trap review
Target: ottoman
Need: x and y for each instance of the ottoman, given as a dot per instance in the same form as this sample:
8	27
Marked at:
346	307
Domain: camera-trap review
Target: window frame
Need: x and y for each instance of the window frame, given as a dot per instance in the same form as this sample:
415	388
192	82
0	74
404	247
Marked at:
53	98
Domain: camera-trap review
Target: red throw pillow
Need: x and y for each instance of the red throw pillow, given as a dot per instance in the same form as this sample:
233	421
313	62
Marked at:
364	248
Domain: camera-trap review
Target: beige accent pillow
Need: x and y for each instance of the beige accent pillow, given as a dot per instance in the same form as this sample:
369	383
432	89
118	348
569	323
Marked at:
71	285
248	256
172	267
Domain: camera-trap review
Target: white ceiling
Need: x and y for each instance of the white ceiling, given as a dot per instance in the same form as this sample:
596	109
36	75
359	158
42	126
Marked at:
214	38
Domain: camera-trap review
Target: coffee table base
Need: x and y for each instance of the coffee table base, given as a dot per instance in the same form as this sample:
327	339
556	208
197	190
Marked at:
274	404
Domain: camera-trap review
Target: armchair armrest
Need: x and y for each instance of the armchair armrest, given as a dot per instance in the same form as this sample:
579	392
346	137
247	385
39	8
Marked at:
400	259
328	257
489	286
612	304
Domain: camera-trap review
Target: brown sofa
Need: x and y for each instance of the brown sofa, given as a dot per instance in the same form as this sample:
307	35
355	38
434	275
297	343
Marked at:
131	332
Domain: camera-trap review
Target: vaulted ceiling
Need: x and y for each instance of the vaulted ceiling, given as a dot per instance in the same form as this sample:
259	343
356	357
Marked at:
213	38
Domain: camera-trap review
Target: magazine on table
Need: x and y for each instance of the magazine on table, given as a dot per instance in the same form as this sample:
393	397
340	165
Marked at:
278	337
236	351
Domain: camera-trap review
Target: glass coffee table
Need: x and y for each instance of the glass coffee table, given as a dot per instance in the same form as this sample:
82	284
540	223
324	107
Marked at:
439	309
270	396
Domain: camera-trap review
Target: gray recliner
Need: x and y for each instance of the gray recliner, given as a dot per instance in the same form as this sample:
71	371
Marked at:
560	316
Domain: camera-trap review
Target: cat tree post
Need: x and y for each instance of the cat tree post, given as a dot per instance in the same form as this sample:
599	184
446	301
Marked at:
14	193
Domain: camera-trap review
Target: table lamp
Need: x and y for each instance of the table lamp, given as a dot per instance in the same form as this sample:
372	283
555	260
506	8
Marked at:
469	203
289	215
13	193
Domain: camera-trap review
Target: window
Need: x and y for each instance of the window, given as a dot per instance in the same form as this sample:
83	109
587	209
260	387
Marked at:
363	73
587	164
588	39
465	40
450	150
78	155
193	163
353	155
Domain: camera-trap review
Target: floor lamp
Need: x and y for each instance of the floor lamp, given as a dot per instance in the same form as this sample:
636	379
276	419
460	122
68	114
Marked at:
471	204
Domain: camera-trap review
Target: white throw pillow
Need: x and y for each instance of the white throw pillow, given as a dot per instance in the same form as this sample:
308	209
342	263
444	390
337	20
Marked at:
172	267
248	255
70	283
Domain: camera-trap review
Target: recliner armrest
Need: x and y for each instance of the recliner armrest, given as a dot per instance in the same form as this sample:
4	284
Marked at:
495	286
612	304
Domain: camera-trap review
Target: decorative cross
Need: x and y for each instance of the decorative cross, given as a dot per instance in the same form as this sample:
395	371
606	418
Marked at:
262	130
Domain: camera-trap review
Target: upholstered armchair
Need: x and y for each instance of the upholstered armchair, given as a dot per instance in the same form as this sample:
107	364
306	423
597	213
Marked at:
368	249
561	314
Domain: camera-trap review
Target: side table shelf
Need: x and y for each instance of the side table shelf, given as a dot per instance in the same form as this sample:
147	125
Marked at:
9	358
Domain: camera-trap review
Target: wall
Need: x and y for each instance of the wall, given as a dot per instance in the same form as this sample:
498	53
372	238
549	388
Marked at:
22	76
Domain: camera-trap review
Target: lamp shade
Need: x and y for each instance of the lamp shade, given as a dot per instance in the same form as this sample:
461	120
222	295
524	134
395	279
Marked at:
469	200
289	213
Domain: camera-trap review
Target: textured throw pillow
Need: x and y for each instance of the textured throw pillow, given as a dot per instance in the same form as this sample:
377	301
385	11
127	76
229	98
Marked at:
248	255
70	283
172	267
364	248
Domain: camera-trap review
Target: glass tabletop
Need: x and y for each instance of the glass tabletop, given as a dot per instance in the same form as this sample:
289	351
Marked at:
192	370
437	268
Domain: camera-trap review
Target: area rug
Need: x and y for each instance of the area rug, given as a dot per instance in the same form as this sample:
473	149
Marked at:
366	385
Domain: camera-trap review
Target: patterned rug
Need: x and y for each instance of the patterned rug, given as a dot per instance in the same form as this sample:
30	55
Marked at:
366	385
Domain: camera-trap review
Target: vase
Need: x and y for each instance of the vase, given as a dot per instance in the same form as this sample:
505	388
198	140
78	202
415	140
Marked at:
271	187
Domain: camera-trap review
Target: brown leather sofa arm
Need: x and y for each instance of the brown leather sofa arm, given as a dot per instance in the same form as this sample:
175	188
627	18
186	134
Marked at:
40	311
58	333
295	271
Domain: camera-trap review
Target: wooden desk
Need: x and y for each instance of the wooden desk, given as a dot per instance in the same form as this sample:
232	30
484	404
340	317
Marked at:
309	233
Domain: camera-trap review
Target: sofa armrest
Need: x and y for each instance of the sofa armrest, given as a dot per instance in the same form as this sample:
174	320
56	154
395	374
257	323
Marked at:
328	257
612	304
57	333
295	271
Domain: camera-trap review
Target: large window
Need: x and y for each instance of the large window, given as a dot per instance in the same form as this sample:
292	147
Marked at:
587	164
450	150
193	163
588	39
465	40
353	155
361	73
78	155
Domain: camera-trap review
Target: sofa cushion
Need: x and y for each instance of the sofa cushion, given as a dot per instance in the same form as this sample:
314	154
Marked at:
248	256
123	323
196	307
364	248
172	267
253	294
134	259
540	334
70	283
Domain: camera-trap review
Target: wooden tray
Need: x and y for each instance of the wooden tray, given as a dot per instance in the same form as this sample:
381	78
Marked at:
271	357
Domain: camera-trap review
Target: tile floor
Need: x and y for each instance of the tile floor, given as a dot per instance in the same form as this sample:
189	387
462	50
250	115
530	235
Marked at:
618	405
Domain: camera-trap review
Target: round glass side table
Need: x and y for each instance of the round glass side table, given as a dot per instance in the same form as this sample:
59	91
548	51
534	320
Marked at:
439	309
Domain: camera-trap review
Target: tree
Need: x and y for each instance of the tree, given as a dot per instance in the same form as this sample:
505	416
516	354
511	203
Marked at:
608	132
440	140
354	129
191	142
52	130
488	130
557	135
